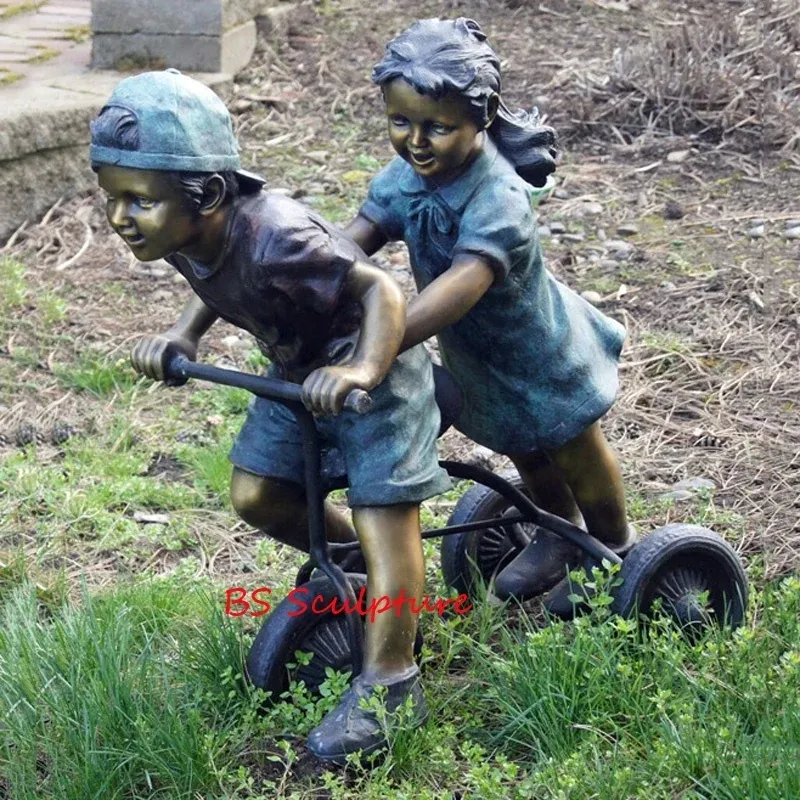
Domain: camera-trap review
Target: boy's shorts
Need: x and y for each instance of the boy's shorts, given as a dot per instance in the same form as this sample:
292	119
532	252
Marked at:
389	453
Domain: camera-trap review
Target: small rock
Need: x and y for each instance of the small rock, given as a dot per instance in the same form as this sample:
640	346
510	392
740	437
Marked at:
574	238
593	258
316	188
590	296
214	420
557	228
282	190
608	263
240	106
619	249
695	483
150	519
178	278
668	285
561	194
673	210
756	232
544	232
319	156
791	223
233	342
593	209
628	229
677	495
480	456
792	233
601	234
756	301
678	156
756	222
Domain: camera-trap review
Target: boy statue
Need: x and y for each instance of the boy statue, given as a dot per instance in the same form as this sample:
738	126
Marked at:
165	154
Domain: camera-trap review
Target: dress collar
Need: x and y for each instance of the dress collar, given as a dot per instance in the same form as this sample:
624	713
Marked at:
457	193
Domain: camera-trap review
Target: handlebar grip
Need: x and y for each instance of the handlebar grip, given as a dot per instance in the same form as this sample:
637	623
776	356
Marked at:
174	363
359	401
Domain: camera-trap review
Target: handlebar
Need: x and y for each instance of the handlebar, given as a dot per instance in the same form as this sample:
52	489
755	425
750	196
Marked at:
179	369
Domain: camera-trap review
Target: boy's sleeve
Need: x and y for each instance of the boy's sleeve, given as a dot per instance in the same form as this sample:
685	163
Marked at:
499	226
380	207
309	265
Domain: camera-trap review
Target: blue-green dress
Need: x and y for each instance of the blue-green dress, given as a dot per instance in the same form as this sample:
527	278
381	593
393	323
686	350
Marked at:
536	363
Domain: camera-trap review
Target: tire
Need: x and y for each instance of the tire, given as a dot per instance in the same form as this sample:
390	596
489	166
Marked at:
677	563
323	635
473	558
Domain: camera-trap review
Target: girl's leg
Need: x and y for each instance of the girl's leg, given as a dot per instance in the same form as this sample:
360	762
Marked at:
546	483
591	469
278	508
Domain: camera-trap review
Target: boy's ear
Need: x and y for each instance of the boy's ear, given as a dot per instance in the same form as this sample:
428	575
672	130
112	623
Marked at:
214	196
492	104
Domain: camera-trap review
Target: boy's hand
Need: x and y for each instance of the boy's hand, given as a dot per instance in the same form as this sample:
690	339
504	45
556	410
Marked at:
326	389
149	356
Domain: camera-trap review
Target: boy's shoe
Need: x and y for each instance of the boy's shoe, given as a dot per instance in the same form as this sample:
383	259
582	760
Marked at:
352	728
557	602
538	567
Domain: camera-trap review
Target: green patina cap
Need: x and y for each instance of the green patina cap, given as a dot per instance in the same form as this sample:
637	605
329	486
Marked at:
182	126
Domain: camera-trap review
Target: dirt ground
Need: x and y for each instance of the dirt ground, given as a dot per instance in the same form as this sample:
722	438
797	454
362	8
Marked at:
683	238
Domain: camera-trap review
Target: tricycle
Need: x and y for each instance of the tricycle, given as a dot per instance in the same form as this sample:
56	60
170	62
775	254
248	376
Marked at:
688	571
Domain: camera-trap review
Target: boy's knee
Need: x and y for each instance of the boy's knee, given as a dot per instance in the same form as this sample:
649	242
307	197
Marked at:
263	502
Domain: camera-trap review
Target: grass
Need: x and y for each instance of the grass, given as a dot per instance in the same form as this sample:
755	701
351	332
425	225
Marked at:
21	8
7	77
137	692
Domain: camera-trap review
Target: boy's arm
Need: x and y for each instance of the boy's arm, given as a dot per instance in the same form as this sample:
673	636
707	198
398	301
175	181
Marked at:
382	326
367	235
149	354
446	300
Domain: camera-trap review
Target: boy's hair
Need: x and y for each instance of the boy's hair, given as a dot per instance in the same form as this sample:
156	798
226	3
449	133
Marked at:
452	56
118	127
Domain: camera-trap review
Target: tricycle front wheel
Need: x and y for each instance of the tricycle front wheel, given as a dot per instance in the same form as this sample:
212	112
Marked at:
694	573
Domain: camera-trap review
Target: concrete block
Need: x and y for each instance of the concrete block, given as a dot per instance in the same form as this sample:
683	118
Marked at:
238	46
177	17
229	52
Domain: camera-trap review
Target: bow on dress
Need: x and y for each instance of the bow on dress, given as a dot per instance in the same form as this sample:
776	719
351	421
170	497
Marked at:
435	217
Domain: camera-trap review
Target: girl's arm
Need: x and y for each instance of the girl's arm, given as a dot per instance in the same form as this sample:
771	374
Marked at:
447	299
367	235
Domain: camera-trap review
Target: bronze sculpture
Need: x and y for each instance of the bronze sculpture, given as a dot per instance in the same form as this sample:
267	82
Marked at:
536	363
165	154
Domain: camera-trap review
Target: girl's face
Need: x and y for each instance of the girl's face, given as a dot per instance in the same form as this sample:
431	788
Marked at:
437	137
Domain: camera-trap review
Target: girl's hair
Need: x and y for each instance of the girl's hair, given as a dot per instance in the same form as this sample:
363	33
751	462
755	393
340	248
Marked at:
118	127
441	56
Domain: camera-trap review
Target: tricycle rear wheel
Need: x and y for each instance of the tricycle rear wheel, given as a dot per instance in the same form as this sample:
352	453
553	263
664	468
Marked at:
473	558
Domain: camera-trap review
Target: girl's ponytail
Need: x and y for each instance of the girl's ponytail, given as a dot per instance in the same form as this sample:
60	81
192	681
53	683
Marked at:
528	145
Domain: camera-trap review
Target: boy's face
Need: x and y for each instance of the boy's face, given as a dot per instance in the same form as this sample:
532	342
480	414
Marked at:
148	211
437	137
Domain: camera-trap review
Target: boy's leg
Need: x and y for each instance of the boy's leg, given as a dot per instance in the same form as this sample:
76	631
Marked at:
392	545
278	508
390	538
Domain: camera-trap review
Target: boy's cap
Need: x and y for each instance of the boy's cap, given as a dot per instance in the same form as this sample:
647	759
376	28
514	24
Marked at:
182	125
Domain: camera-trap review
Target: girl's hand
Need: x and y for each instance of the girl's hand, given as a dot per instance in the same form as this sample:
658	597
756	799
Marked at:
150	354
326	389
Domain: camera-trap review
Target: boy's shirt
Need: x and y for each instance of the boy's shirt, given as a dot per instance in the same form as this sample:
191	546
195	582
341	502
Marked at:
281	276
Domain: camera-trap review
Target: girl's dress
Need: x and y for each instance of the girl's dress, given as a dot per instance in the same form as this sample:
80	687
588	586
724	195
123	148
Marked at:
536	363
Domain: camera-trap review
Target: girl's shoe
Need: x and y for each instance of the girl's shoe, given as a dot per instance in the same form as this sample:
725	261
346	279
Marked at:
538	567
557	601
